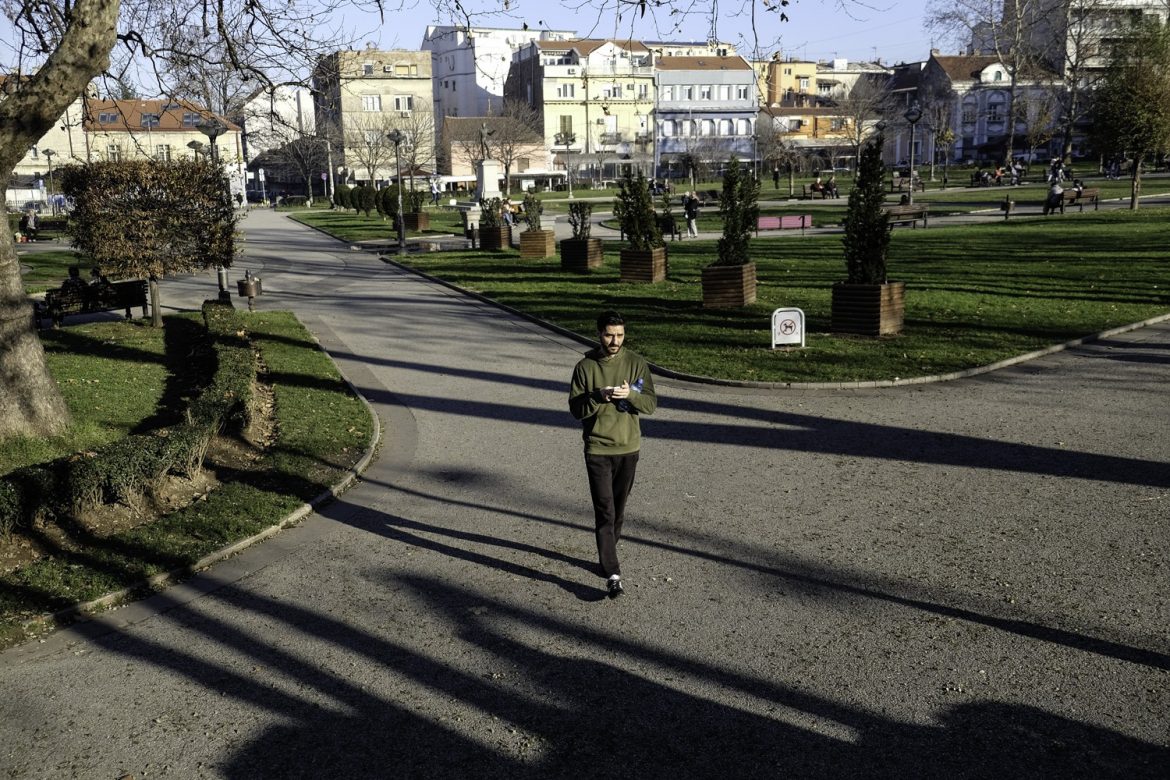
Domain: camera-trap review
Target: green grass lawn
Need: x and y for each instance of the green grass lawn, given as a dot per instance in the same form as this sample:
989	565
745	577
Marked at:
976	294
322	430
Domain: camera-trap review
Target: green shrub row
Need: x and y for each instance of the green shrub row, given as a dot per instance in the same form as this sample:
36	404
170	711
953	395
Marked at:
127	469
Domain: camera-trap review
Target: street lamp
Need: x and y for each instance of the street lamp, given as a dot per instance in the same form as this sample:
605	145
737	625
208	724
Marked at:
912	115
396	137
195	147
49	156
566	140
213	128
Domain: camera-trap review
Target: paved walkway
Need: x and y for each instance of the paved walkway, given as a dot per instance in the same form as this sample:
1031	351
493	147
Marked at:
963	580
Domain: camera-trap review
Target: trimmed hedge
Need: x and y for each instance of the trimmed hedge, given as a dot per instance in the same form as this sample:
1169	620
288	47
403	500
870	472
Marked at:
127	469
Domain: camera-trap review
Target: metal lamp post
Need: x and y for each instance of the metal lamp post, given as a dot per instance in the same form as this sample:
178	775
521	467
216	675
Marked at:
49	156
566	140
396	137
213	128
195	147
912	115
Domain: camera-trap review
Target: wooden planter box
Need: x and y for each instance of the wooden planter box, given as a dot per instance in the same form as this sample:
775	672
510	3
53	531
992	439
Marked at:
417	220
495	237
537	244
729	286
647	266
869	309
580	255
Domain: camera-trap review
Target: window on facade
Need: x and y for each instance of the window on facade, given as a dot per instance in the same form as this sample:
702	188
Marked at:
969	112
566	90
793	125
401	70
686	93
668	128
114	153
803	84
744	127
994	112
707	127
368	69
667	93
566	124
371	102
788	71
163	152
190	119
998	76
741	92
643	91
150	120
404	103
108	117
705	92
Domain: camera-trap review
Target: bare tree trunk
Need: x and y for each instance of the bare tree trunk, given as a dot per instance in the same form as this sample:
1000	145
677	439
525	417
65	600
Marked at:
30	402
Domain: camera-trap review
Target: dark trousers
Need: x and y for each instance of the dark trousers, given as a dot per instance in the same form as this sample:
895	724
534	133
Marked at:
610	479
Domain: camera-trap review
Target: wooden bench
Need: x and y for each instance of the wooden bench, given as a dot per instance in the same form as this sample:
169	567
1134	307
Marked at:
707	197
1072	198
669	227
807	191
785	222
908	214
898	184
117	295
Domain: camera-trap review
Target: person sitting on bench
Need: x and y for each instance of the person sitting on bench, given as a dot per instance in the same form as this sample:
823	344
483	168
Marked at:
817	186
1055	198
74	284
831	186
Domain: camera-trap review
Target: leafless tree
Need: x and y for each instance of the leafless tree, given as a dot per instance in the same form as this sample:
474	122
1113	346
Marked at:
515	130
1003	28
869	101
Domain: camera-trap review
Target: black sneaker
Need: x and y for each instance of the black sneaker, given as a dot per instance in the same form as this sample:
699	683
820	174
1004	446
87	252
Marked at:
615	588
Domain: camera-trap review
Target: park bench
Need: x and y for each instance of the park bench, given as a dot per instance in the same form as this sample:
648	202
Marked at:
1072	198
898	184
907	214
807	191
785	222
111	297
707	197
669	227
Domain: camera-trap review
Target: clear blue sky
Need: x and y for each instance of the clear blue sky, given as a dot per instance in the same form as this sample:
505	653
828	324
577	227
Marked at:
817	29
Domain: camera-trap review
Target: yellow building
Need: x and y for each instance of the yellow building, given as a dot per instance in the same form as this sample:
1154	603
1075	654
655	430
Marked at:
784	80
597	98
362	96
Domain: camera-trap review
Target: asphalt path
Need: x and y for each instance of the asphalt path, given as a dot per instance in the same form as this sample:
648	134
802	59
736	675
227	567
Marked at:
965	579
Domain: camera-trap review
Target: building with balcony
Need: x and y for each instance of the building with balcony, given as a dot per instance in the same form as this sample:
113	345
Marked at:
361	96
597	98
705	112
783	80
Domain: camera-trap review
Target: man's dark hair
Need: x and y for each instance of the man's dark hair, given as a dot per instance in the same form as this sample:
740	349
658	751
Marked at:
605	319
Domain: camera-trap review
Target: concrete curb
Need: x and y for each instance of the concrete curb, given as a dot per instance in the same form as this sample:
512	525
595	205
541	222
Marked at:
796	386
159	581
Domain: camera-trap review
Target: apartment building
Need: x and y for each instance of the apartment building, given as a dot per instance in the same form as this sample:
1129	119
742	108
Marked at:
362	96
780	80
93	129
706	110
597	98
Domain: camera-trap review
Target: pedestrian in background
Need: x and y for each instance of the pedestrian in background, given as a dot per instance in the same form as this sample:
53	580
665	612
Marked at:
691	211
610	389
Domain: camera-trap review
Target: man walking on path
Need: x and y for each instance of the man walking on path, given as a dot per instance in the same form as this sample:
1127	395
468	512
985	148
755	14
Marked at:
611	387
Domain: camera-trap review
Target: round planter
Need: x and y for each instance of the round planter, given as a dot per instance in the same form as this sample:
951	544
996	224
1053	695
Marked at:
646	266
729	286
537	244
869	309
580	255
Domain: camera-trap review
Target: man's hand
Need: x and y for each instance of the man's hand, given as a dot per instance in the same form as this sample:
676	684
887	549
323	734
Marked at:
620	392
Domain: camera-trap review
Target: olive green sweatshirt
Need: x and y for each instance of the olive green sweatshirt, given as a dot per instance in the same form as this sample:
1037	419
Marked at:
611	427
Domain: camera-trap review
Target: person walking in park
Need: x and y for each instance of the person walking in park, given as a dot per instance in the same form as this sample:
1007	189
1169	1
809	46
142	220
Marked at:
610	389
691	211
775	178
